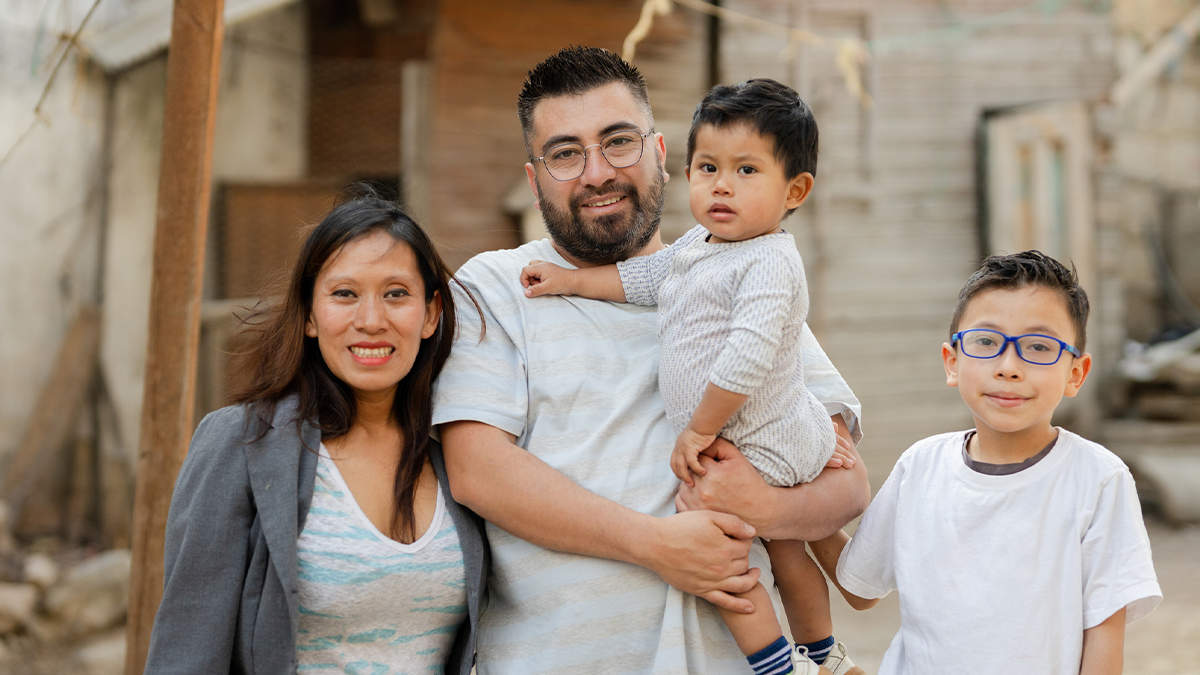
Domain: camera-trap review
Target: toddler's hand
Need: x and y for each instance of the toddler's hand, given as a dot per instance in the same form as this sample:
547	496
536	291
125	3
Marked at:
543	278
685	459
842	457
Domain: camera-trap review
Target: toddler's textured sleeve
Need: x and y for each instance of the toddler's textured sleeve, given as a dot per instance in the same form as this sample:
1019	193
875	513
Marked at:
770	293
1117	568
642	276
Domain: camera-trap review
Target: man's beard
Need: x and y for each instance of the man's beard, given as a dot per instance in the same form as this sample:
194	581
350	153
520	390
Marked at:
607	239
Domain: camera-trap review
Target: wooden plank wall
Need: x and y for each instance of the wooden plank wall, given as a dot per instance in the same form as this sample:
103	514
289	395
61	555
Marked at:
890	235
892	226
481	53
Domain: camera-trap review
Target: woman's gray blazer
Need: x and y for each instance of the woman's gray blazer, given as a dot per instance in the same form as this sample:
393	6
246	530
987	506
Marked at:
231	592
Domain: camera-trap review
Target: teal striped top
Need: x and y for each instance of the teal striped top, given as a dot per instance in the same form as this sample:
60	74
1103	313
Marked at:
370	605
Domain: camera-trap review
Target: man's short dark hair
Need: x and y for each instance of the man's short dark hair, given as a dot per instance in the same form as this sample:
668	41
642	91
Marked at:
772	109
1030	268
574	71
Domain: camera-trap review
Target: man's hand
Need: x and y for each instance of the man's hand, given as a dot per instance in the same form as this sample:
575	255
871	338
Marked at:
685	458
702	553
544	278
706	554
806	512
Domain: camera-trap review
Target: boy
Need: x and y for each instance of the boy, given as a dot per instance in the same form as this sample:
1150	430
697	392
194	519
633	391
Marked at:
1016	546
732	301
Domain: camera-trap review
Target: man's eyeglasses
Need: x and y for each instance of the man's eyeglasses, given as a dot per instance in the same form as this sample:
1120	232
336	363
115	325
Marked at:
621	149
1042	350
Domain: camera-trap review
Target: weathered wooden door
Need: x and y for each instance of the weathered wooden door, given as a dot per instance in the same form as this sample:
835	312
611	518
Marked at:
1038	183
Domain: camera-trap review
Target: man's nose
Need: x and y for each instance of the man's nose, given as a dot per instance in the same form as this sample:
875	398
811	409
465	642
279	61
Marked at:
596	169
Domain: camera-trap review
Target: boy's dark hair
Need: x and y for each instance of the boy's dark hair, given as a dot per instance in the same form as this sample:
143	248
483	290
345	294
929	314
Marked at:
772	109
574	71
1030	268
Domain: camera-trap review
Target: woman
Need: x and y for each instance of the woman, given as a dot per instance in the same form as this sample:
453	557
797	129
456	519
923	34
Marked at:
312	526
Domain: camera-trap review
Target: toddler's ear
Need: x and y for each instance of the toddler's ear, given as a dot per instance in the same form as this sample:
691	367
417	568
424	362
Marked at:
799	188
950	361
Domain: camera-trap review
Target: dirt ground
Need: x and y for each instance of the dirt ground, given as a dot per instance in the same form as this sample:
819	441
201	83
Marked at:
1167	642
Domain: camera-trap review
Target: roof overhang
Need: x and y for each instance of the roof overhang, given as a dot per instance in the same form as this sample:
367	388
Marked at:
147	30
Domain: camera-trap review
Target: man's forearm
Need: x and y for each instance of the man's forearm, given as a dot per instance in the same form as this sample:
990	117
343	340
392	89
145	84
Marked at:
703	553
806	512
813	511
526	497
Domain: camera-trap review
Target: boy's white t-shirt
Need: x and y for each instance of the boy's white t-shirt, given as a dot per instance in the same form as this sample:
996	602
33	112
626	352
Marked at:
1002	574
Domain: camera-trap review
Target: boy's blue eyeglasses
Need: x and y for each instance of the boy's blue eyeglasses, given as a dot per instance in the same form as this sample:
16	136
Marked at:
1042	350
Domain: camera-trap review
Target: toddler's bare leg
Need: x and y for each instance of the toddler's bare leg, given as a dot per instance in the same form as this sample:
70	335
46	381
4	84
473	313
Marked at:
757	630
802	589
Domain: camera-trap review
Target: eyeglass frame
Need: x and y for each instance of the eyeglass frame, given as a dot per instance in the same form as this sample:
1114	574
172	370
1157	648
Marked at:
1062	346
583	169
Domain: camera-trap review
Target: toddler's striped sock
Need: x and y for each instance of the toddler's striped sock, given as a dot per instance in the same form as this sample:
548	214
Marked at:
774	659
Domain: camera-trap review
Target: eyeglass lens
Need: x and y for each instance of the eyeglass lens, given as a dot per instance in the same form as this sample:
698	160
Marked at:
621	149
986	344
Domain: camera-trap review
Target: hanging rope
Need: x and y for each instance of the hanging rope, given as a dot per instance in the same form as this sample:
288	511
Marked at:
851	54
39	117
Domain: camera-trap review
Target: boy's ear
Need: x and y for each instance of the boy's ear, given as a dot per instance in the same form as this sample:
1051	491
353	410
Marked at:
1079	373
529	173
950	361
798	190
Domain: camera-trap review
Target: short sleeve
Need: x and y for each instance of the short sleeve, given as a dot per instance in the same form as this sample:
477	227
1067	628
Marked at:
827	384
866	567
1118	571
484	380
642	276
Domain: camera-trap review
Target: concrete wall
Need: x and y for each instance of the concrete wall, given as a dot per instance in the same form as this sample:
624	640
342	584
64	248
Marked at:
260	132
50	201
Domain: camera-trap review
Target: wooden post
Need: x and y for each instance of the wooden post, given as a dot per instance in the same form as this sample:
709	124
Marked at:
193	66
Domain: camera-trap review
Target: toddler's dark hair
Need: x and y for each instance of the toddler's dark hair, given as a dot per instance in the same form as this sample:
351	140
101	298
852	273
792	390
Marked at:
1030	268
772	109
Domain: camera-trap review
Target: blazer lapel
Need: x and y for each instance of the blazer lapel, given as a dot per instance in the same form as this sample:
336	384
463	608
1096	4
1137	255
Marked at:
282	468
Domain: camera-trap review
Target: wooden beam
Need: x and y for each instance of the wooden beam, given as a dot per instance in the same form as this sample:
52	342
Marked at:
193	68
54	415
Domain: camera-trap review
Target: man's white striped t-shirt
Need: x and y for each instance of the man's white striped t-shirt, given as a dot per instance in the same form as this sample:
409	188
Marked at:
576	381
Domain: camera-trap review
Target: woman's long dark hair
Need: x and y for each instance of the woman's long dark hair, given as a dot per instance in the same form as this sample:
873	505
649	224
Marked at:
276	359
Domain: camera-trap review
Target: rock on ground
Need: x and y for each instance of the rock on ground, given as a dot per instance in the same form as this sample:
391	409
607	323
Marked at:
17	602
93	595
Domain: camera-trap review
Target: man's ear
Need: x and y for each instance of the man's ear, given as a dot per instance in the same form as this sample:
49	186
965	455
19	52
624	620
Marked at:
1079	373
529	173
661	144
798	190
950	361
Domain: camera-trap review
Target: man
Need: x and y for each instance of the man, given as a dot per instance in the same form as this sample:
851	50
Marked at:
554	430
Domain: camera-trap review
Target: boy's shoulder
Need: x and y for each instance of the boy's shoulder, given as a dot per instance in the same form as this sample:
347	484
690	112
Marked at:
1091	454
931	448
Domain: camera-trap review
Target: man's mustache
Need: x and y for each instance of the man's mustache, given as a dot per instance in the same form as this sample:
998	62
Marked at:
626	189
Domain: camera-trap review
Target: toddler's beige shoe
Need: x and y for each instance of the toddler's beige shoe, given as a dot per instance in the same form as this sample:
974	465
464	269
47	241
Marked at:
802	664
838	662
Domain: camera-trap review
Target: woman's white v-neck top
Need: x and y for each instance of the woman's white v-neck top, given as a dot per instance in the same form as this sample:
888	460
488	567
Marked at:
370	604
